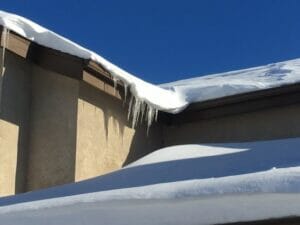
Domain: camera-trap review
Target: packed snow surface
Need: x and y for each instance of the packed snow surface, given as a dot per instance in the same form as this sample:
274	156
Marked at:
187	184
172	97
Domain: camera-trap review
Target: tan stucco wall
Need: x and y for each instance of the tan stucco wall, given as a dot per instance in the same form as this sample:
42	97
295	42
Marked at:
14	124
8	157
78	132
283	122
104	135
52	129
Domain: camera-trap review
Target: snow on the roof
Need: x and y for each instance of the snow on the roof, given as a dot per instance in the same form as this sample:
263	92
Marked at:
153	95
236	82
190	184
172	97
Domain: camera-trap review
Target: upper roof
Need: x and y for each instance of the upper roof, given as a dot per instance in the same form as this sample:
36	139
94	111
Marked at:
154	96
172	97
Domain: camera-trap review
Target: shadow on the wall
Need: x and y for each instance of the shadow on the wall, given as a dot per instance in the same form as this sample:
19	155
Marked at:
144	142
113	108
15	103
43	107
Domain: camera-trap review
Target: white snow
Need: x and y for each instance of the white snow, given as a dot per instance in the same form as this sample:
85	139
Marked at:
236	82
189	184
172	97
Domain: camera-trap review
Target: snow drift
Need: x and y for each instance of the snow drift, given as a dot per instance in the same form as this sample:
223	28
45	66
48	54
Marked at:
194	176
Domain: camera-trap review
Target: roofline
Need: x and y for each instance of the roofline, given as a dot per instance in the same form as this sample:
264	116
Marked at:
96	75
63	63
237	104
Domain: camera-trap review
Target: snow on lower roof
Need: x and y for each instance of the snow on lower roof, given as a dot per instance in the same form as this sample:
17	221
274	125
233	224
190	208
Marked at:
237	82
172	97
190	184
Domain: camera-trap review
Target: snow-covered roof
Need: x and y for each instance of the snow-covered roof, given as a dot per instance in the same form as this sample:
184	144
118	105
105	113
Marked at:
189	184
172	97
215	86
152	95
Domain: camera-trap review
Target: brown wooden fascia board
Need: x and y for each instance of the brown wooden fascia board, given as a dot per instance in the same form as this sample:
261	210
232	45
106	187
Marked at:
104	86
53	60
45	57
63	63
16	44
97	69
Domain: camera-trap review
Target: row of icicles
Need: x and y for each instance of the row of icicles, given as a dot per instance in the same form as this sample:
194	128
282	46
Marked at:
138	110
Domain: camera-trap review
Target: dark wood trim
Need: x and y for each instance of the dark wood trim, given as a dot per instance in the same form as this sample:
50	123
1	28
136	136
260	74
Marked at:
97	70
16	44
63	63
47	58
56	61
95	75
107	87
259	94
244	103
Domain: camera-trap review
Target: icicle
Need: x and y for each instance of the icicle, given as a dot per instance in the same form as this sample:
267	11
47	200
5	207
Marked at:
115	85
136	112
156	114
140	110
150	116
130	107
125	92
4	41
143	109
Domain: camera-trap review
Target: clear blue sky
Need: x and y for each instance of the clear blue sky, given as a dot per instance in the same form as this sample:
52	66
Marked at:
167	40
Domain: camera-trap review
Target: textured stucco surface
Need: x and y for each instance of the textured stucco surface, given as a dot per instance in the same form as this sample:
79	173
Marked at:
272	123
52	129
104	135
8	157
14	123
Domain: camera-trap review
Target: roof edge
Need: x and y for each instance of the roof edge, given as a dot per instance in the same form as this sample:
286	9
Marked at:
91	72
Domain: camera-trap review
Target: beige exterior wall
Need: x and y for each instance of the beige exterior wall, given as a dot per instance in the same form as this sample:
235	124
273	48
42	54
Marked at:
104	135
272	123
14	124
9	133
77	132
52	129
